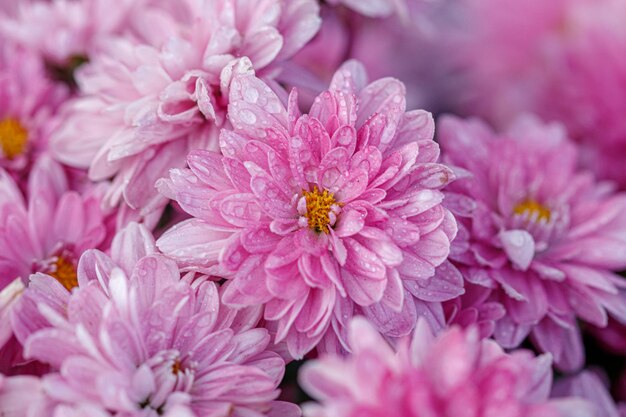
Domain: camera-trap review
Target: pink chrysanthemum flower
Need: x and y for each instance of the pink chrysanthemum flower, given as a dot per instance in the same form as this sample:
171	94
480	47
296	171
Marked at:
28	101
147	343
147	102
543	236
455	374
323	214
540	56
65	33
49	230
46	233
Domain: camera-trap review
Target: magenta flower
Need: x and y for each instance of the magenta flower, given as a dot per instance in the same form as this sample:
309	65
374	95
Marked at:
451	375
541	235
148	343
323	214
148	101
28	100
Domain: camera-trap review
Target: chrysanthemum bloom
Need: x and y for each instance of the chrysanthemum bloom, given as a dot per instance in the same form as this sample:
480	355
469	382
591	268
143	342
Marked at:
47	232
452	375
146	343
543	236
146	102
319	214
65	33
28	101
540	56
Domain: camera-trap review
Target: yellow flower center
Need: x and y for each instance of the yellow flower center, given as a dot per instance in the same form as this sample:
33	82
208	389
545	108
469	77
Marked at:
318	208
13	138
533	209
64	271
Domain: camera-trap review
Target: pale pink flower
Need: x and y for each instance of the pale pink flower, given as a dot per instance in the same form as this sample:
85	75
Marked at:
147	343
28	102
147	102
543	236
323	215
451	375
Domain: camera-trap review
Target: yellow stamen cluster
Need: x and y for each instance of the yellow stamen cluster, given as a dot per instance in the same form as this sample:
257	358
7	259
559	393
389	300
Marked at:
13	138
531	208
318	207
65	272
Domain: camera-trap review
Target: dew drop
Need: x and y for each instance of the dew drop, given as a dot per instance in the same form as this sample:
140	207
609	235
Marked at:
251	95
247	116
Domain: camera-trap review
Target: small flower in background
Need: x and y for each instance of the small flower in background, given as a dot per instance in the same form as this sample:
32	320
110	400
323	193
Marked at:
453	374
322	215
541	235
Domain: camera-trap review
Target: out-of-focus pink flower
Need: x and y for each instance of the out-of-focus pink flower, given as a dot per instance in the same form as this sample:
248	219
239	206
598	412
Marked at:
322	215
589	386
541	56
147	102
451	375
28	101
64	33
147	343
543	236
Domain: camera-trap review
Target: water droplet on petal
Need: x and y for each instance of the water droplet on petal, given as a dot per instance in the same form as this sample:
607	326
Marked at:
247	116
